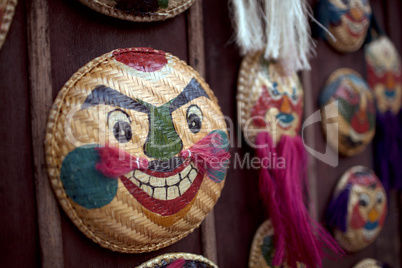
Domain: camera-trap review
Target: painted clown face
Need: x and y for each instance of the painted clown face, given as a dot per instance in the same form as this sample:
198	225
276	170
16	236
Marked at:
384	74
275	103
140	10
262	248
366	208
356	118
348	21
152	107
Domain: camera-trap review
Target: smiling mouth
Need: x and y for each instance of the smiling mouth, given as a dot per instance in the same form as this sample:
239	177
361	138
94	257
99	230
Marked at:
165	193
356	27
369	234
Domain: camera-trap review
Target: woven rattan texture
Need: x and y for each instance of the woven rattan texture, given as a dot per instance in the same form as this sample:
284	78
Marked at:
125	225
106	7
253	77
165	259
345	128
256	259
7	9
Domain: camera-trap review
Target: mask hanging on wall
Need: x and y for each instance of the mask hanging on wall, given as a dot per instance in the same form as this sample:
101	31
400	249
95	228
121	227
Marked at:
129	145
263	248
178	260
355	114
347	23
358	209
384	76
139	10
270	105
7	9
370	263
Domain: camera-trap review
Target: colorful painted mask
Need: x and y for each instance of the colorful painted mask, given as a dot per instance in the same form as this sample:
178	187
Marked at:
384	74
270	105
262	248
7	9
370	263
268	100
356	107
122	143
347	20
358	209
140	10
178	260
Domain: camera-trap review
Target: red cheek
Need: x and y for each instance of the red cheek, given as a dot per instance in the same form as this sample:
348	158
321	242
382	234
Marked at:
357	220
263	103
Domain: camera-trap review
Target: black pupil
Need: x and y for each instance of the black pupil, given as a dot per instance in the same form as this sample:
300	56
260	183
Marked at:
363	203
379	200
122	131
194	123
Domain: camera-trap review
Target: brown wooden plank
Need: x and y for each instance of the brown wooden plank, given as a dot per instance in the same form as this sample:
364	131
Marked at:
41	101
19	245
197	61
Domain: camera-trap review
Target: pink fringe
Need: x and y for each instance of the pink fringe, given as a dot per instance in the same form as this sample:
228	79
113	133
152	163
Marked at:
177	264
210	154
298	237
114	162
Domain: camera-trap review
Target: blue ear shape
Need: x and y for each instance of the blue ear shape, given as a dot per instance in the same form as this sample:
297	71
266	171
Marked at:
83	183
337	211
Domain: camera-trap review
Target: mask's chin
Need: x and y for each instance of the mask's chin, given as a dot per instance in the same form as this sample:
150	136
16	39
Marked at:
164	193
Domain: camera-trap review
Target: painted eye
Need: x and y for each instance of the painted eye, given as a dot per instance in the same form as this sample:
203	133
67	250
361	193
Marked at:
295	97
380	197
194	118
120	124
275	94
364	200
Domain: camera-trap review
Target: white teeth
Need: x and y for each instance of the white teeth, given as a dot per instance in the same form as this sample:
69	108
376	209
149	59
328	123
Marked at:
147	189
369	234
184	185
143	177
192	175
155	182
173	180
173	192
158	188
160	193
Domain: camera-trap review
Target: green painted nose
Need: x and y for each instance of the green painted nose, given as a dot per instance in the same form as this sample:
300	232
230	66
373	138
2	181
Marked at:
163	142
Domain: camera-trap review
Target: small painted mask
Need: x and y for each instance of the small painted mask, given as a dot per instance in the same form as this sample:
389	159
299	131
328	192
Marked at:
262	248
150	106
140	10
347	20
384	74
178	260
268	99
355	111
362	202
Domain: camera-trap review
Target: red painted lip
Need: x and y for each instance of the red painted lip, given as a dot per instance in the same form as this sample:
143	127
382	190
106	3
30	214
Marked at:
165	207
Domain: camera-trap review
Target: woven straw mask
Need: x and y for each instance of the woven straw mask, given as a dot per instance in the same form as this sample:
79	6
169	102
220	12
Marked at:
356	111
7	9
179	260
150	105
347	20
268	99
140	10
384	74
262	248
365	210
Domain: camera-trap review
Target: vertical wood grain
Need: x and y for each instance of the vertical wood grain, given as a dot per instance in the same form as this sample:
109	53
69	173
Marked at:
41	101
310	138
197	61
